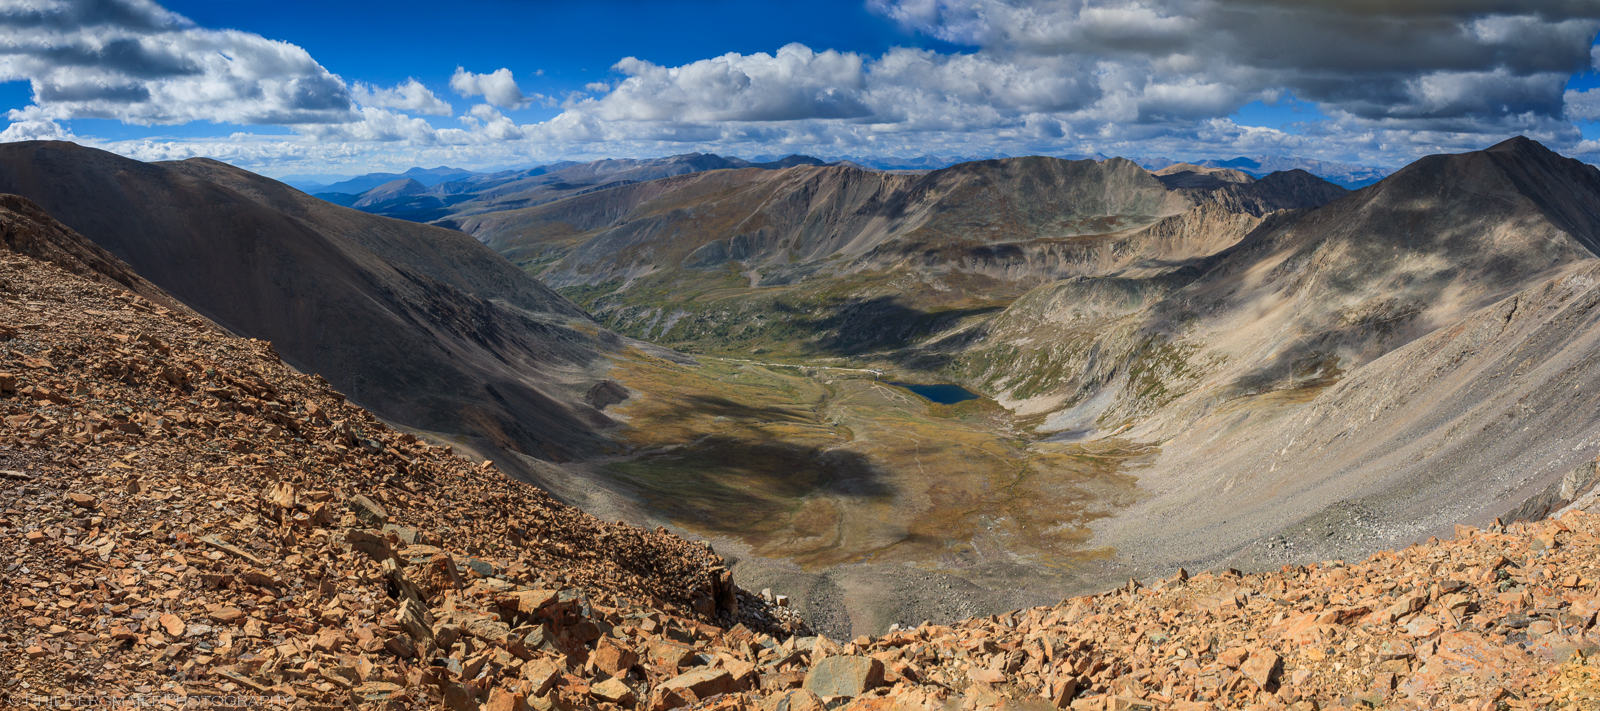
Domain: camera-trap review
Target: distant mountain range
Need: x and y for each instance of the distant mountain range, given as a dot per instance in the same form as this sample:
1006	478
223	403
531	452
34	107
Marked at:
452	196
362	183
447	196
1342	174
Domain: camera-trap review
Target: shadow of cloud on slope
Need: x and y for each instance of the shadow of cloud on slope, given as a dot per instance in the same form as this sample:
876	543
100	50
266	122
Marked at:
732	484
723	407
884	328
1369	296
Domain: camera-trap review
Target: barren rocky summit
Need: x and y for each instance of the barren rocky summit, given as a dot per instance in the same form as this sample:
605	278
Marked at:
190	521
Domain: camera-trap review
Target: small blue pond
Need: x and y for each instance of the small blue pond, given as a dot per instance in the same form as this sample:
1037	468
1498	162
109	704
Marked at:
943	393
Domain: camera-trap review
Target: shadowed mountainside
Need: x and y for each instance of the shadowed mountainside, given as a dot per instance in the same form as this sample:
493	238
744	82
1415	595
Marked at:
26	229
422	324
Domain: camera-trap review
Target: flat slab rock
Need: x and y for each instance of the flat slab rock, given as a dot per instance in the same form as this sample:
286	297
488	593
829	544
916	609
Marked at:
844	676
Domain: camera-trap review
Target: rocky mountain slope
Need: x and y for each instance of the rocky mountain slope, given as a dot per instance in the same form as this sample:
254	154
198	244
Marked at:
1336	287
236	512
1282	381
857	261
423	324
1315	385
193	522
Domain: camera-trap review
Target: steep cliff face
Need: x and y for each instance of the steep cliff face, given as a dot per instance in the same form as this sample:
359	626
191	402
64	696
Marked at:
423	324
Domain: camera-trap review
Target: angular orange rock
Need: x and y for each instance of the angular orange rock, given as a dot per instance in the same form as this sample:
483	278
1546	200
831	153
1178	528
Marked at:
173	624
1262	668
610	657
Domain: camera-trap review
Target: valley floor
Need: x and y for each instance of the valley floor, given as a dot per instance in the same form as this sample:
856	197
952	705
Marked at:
869	505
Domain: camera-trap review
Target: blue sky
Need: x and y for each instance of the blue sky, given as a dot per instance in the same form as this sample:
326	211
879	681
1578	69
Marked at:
346	87
551	47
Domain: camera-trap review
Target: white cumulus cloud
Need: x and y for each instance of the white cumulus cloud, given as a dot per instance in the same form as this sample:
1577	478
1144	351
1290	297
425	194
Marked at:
410	96
1583	105
375	124
134	61
31	124
497	87
491	124
795	83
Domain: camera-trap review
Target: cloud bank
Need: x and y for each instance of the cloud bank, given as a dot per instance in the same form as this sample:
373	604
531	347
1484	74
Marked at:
1392	80
1391	77
134	61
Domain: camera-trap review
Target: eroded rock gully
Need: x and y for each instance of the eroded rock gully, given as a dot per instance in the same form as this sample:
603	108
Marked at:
185	518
